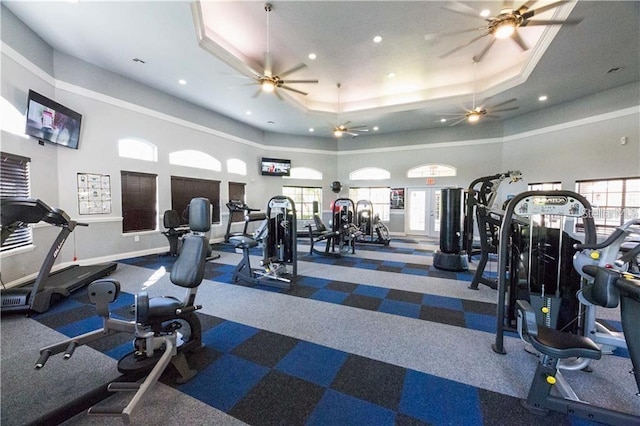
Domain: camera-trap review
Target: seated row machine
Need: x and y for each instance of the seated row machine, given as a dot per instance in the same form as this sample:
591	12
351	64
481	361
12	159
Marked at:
278	238
160	322
343	233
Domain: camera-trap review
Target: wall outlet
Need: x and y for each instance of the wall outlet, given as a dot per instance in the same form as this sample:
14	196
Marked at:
136	238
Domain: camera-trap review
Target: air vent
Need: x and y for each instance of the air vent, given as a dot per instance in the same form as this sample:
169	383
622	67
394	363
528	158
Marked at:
14	301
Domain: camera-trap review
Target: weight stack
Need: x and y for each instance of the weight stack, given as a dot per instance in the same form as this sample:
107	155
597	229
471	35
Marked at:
451	257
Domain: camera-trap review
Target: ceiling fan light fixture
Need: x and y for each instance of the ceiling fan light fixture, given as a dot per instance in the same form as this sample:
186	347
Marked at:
473	118
337	133
504	29
268	86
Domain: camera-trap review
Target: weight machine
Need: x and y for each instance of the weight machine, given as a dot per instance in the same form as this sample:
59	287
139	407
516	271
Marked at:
485	195
528	257
278	239
372	229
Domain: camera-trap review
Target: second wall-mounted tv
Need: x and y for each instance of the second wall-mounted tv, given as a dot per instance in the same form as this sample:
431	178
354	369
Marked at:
275	167
49	121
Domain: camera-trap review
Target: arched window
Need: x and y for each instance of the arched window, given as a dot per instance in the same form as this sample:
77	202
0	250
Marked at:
431	170
138	149
304	173
370	173
193	158
12	119
236	166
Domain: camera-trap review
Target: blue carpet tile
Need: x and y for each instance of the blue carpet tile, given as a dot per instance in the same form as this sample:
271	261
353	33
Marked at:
264	378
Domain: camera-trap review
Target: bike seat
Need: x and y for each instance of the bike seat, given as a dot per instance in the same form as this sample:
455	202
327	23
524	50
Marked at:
242	241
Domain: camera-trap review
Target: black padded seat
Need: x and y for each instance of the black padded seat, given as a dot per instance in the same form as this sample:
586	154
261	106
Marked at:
163	306
559	344
241	241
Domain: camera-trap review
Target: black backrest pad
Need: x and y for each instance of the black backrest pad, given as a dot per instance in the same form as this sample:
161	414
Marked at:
171	219
200	215
604	291
188	270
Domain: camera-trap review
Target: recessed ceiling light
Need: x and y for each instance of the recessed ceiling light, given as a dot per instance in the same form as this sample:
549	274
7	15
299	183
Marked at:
182	81
311	130
377	39
443	120
376	128
312	56
485	13
248	112
542	98
391	75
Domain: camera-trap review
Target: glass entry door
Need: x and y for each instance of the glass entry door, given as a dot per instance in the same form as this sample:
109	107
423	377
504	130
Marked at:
423	212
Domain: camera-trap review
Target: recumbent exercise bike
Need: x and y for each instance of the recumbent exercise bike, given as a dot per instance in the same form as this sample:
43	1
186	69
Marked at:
164	329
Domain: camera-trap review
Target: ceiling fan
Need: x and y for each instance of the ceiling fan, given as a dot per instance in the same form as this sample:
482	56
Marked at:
477	112
474	114
504	25
270	81
346	128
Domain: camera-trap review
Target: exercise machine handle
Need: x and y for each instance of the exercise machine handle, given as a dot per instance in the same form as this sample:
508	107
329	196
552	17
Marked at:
44	356
70	349
188	309
595	246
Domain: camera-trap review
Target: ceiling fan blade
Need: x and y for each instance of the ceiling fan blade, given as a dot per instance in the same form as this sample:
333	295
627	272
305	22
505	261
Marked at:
353	135
479	57
463	9
493	111
528	23
525	7
507	4
292	70
434	37
291	89
550	6
299	81
359	129
516	37
458	121
502	103
345	124
463	45
255	95
278	95
267	64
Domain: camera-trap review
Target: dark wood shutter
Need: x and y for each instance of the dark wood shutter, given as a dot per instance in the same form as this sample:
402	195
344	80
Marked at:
15	182
139	200
184	189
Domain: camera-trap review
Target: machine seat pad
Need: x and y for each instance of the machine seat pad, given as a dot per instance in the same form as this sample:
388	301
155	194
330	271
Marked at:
242	241
163	306
559	344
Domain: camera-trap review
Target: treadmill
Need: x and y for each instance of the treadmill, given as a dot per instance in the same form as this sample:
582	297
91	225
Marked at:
48	288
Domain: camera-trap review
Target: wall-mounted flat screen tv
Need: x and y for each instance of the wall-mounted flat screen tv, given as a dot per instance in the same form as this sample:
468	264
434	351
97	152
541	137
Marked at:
49	121
275	167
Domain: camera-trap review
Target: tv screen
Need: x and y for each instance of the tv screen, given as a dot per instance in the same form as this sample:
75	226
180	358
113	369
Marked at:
275	167
49	121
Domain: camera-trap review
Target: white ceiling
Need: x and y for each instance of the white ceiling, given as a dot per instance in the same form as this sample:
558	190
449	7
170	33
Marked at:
215	46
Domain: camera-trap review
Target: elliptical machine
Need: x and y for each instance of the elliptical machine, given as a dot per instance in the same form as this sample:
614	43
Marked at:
239	211
164	328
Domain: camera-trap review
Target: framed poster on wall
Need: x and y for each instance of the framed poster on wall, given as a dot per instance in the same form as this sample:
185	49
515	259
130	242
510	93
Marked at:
397	198
94	193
